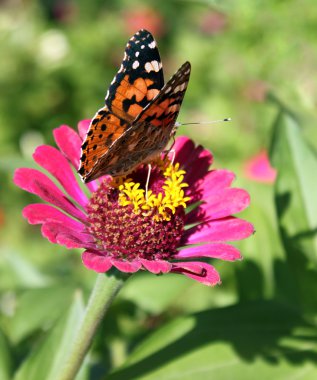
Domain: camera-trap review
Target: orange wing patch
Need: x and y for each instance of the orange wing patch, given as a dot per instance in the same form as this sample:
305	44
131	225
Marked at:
139	79
104	129
131	98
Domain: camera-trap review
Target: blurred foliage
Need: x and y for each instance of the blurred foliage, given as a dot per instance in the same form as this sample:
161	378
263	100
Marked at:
253	61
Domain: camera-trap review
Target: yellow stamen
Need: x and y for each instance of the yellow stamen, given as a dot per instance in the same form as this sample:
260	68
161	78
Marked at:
164	203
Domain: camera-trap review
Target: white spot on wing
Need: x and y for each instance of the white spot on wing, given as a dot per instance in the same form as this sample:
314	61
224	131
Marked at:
152	45
137	53
142	46
156	66
135	64
152	66
148	67
180	87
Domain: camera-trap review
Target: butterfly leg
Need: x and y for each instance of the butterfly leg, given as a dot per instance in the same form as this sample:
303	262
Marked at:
148	181
173	152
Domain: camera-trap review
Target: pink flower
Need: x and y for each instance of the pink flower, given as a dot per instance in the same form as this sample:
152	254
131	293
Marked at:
256	91
118	228
213	22
259	169
144	17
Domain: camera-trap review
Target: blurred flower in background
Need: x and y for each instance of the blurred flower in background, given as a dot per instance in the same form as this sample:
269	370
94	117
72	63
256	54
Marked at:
144	18
213	22
63	11
256	91
53	47
29	141
259	169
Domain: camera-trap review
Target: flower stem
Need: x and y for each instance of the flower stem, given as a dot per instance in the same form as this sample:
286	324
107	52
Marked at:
105	289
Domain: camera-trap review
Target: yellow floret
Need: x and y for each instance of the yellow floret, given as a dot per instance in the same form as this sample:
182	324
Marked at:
172	196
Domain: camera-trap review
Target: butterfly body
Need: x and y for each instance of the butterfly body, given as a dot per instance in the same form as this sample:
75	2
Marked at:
139	117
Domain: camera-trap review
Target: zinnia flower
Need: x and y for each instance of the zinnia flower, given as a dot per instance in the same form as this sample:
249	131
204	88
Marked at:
184	218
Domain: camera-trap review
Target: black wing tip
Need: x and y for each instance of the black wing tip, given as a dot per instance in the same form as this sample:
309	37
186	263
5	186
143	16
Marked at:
143	32
184	69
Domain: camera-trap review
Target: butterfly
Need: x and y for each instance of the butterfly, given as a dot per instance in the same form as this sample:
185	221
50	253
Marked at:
139	116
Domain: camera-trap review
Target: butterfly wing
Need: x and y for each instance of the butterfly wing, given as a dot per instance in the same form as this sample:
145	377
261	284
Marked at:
104	129
150	131
138	81
164	109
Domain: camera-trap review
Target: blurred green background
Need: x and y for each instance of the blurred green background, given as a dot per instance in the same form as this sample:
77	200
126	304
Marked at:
251	61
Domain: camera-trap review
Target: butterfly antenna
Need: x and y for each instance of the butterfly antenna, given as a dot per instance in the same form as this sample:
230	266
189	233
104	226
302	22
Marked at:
204	122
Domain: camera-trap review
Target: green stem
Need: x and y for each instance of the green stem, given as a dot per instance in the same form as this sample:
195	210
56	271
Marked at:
102	296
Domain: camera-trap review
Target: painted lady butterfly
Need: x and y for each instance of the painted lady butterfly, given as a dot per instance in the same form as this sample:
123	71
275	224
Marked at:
139	116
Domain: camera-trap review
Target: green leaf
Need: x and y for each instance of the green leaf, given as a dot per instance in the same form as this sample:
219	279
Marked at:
296	206
26	275
46	360
153	293
263	338
265	262
5	358
37	309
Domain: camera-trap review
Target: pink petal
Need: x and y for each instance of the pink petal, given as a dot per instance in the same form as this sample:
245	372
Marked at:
215	250
56	164
97	261
63	235
195	160
38	183
126	266
218	205
212	182
197	164
226	229
83	126
69	143
183	147
156	266
199	271
39	213
216	180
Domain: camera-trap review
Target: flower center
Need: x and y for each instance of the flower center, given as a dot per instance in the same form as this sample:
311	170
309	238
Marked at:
130	223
